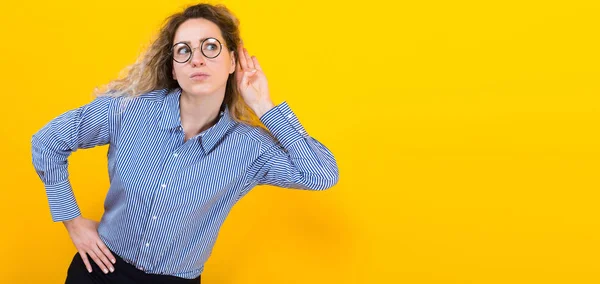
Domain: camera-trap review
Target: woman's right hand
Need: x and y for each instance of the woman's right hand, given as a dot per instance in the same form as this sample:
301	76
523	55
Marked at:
84	234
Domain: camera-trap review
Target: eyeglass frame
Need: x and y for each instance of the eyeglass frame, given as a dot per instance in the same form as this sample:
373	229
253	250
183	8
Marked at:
193	49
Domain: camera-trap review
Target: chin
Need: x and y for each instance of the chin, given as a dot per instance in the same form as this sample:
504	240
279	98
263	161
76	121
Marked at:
200	89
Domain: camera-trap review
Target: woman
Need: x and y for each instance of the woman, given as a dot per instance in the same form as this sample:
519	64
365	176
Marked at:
191	129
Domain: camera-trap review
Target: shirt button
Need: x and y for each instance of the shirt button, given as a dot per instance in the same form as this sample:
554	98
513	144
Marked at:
147	244
163	185
289	115
301	131
154	217
140	267
175	155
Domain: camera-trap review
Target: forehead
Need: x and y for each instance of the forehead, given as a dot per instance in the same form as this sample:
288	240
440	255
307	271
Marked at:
194	30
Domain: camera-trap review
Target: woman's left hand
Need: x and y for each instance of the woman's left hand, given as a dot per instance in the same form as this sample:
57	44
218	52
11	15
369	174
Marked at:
252	83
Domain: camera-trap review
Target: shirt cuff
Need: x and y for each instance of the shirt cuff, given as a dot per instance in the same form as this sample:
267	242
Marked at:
283	123
61	199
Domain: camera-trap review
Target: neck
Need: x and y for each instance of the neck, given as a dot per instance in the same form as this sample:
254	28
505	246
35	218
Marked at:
198	113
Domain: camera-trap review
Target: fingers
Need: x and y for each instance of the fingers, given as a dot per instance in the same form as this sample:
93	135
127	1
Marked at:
100	254
244	81
106	251
256	63
96	256
247	62
238	67
86	261
105	264
85	236
238	71
242	57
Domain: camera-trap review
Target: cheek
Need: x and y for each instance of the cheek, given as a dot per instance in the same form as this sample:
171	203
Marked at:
221	69
176	70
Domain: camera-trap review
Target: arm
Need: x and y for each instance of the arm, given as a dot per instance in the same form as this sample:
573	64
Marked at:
294	159
84	127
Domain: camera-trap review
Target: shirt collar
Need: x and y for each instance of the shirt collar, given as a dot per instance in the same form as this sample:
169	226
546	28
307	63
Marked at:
171	119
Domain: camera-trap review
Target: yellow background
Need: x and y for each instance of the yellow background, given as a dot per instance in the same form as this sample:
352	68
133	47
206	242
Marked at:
466	134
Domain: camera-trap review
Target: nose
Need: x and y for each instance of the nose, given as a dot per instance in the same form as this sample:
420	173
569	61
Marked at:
197	58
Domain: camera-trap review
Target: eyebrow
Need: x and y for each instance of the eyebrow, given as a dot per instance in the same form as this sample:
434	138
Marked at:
188	42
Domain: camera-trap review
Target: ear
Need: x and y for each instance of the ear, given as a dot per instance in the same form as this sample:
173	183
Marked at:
233	61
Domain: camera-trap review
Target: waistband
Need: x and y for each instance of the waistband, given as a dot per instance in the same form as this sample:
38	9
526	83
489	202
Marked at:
136	273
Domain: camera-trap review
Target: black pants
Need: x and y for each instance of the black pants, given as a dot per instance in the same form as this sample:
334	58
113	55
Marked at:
124	273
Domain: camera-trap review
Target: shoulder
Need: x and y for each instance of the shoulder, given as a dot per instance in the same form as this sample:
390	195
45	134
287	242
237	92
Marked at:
154	96
254	134
124	102
151	97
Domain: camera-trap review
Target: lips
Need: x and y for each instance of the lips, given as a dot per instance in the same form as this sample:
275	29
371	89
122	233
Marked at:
199	75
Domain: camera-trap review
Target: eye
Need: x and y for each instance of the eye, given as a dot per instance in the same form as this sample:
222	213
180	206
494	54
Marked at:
211	46
182	50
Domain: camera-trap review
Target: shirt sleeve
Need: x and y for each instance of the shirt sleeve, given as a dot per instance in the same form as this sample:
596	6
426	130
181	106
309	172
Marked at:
294	159
84	127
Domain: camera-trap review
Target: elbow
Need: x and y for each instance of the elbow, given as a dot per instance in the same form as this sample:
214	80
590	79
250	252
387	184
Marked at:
333	180
328	184
333	175
36	155
35	148
324	180
329	176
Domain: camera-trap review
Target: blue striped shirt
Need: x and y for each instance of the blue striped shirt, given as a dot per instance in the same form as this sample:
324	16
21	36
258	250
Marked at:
168	197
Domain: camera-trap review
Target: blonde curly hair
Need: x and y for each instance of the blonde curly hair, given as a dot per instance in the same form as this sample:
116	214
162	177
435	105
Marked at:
153	68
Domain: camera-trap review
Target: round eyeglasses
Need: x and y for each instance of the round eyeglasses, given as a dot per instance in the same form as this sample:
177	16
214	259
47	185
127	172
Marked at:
209	47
